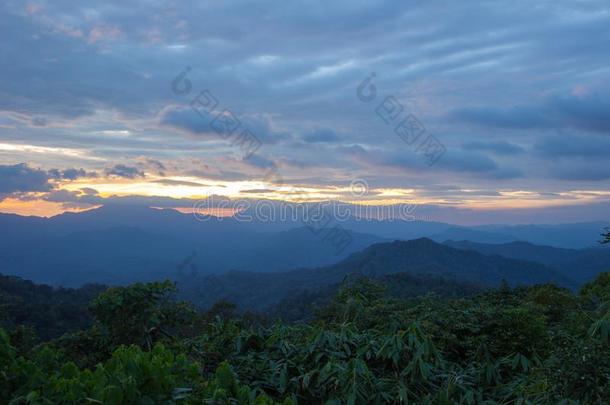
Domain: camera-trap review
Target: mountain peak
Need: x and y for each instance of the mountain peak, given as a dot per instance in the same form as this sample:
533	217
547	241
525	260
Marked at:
424	256
418	244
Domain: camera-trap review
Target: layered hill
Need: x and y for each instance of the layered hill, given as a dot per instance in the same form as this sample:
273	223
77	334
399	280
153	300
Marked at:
420	257
581	265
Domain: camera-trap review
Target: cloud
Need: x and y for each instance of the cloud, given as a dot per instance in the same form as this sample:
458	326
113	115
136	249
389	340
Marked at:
170	182
70	174
498	147
22	178
39	122
587	112
260	162
96	80
127	172
209	125
321	135
156	165
582	171
476	163
63	196
254	191
454	160
566	145
186	118
521	117
104	33
88	191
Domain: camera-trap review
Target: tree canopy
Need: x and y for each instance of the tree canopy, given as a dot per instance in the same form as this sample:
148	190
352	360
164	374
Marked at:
541	344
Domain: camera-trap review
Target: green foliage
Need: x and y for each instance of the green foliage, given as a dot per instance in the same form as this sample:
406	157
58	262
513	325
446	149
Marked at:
606	236
519	330
555	302
49	312
597	293
224	388
598	289
535	345
141	313
129	376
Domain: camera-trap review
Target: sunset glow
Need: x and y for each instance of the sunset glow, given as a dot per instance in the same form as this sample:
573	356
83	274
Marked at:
460	119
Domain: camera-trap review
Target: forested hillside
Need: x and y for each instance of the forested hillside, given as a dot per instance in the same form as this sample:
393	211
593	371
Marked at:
540	344
49	311
299	202
420	258
581	265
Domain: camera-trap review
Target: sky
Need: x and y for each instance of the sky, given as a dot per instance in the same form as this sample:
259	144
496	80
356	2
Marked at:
478	112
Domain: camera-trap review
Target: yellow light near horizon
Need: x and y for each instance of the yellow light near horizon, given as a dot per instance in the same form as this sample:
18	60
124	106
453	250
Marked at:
39	208
194	188
150	188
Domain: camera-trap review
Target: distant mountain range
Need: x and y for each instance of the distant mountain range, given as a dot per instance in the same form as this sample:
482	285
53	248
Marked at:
118	244
419	257
569	236
580	265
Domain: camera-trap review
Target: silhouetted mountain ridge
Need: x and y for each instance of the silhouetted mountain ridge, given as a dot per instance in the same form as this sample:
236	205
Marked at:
416	257
581	265
118	244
